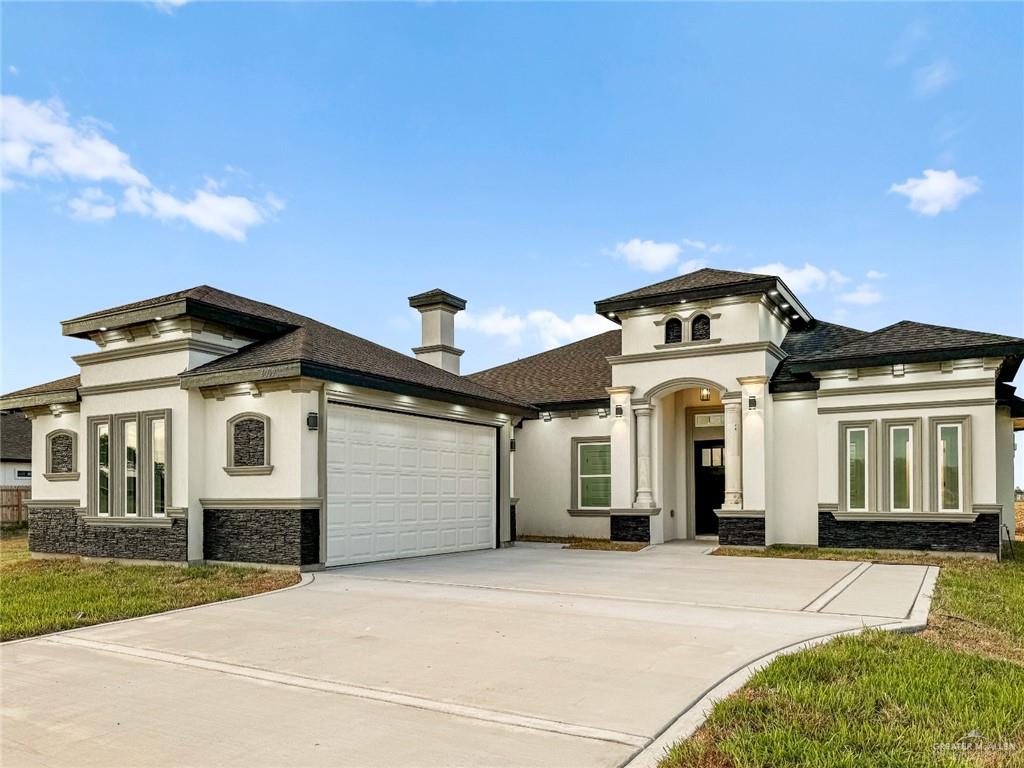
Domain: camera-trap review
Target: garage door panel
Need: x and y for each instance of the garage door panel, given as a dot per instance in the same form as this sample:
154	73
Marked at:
400	485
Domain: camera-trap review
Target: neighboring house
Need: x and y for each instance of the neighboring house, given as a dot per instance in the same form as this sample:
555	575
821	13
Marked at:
212	427
15	450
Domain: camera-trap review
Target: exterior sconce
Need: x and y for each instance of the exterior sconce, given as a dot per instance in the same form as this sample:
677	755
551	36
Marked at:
546	415
312	421
705	394
602	413
752	403
618	411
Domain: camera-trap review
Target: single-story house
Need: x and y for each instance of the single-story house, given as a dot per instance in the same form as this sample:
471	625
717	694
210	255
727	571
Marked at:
15	450
210	427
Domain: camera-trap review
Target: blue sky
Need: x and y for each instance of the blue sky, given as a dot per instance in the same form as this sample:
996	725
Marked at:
336	158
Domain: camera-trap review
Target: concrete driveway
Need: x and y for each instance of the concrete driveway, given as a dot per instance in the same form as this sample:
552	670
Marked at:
528	656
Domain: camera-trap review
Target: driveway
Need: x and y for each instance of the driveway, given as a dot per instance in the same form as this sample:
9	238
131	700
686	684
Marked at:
531	656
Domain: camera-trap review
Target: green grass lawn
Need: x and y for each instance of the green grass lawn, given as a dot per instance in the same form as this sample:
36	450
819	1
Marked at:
886	699
39	596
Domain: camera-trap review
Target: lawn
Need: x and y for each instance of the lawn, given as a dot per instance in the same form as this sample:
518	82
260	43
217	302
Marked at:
574	542
952	695
40	596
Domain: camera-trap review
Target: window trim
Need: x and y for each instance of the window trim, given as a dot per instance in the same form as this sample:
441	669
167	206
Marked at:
871	491
574	477
682	329
691	321
57	477
263	469
916	465
117	488
966	463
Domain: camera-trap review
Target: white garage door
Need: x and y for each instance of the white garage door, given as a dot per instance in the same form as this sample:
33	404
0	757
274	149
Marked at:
401	485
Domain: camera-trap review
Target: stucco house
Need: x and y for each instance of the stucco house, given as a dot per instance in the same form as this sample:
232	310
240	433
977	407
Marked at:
15	450
209	427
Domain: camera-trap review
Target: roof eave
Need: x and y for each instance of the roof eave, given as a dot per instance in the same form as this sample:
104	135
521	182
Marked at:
1009	349
84	327
58	397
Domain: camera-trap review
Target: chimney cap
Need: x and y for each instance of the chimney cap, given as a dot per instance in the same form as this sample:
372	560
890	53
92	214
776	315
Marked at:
436	297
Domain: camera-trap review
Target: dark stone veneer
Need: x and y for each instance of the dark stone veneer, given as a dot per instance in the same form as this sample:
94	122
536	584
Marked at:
631	528
63	531
272	536
741	531
980	536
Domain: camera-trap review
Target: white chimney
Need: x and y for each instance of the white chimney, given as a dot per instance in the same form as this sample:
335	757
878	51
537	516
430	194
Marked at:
438	309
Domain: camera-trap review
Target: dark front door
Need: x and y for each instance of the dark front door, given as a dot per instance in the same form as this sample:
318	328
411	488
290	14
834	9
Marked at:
709	484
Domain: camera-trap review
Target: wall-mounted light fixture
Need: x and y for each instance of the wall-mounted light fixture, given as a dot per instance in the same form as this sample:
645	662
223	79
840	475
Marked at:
618	411
312	421
705	394
546	415
602	413
752	403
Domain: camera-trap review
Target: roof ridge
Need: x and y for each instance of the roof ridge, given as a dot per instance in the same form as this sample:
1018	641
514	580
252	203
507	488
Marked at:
547	351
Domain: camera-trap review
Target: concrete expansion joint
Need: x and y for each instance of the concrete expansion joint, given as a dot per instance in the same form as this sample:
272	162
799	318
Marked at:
384	695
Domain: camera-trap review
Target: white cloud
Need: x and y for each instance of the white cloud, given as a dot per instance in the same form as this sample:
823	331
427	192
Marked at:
697	245
539	326
933	77
803	279
169	6
92	205
647	254
874	274
13	70
40	141
937	191
908	43
692	265
864	294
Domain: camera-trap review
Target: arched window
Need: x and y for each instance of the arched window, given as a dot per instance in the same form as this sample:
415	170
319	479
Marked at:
61	455
700	328
673	331
248	445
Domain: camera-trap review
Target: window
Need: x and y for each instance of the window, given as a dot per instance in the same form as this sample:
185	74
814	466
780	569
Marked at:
248	450
857	469
129	464
673	331
130	445
158	466
711	457
901	457
950	468
61	455
103	469
700	328
592	462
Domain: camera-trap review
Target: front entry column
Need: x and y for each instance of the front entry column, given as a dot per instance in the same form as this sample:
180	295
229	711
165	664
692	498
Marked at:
733	452
644	493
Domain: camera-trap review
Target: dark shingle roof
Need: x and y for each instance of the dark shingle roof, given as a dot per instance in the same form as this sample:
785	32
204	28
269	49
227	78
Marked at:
57	385
702	278
817	337
577	372
15	437
908	341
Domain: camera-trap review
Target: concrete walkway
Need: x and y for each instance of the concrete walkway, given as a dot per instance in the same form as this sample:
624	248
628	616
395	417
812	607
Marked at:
517	657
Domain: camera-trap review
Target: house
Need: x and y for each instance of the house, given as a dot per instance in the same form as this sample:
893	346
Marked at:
209	427
15	450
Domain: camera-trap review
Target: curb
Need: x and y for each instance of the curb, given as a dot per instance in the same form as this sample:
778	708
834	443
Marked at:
697	711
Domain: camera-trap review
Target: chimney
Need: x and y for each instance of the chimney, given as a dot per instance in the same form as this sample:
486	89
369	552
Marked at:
438	309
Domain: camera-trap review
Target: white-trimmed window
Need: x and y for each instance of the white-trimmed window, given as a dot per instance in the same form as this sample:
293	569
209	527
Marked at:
129	464
130	468
102	464
858	449
950	467
594	475
156	465
901	468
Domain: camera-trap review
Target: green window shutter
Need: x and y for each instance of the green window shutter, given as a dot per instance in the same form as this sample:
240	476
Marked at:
596	492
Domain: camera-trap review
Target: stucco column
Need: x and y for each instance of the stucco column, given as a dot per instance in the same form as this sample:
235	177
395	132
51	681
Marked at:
644	492
733	453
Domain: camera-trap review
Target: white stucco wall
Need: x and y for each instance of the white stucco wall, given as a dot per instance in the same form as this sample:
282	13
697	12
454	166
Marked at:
63	490
1004	466
792	513
543	476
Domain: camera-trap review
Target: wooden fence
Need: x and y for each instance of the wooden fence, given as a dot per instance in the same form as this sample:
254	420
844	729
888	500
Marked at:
12	503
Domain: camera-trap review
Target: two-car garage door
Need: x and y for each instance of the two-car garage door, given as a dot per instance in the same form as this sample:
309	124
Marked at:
400	485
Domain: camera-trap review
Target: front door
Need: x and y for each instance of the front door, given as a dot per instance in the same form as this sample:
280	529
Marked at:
709	484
